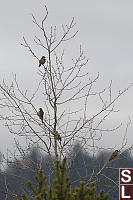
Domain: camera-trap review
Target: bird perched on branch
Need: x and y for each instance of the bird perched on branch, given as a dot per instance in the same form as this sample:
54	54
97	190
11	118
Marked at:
42	61
40	114
57	136
114	154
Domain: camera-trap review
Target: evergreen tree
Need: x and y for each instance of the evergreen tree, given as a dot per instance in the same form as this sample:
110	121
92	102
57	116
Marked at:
61	188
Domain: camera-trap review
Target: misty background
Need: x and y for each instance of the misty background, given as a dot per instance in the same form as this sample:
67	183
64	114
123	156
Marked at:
106	35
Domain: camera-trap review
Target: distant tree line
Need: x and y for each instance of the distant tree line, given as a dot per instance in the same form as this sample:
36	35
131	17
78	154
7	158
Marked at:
17	173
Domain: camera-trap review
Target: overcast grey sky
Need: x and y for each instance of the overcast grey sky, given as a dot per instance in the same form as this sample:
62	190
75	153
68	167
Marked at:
105	32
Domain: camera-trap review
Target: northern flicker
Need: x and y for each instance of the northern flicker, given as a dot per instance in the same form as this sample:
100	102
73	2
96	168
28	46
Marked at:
42	61
114	154
40	114
57	136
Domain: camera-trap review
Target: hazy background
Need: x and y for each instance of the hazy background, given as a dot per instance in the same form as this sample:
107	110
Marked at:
105	32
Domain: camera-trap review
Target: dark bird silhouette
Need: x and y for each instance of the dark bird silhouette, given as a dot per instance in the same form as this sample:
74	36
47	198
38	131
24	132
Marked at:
40	114
114	154
57	136
42	61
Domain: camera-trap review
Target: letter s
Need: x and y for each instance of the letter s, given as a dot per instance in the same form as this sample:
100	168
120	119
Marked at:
125	174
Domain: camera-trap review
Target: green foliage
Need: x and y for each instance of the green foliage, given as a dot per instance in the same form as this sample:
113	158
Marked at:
61	189
88	193
40	191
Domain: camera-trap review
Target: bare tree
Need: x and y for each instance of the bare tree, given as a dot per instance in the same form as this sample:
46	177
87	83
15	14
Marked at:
64	92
